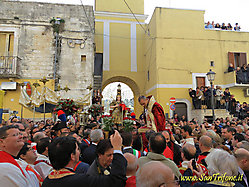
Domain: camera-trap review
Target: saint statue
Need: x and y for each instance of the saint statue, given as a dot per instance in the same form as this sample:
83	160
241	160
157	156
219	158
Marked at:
117	110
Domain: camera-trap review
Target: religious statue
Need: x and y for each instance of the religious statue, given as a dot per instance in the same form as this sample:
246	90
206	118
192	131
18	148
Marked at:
118	111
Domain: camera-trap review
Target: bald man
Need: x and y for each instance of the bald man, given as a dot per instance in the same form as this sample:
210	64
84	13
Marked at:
205	145
244	144
157	145
38	136
188	153
20	126
132	167
242	157
175	149
155	173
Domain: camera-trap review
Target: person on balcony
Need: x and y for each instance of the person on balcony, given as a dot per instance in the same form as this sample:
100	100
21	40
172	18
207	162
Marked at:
239	76
199	98
192	94
229	26
219	95
230	68
207	96
232	105
227	96
237	27
244	71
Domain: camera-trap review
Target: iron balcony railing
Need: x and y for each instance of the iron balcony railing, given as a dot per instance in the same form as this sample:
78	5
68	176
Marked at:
8	66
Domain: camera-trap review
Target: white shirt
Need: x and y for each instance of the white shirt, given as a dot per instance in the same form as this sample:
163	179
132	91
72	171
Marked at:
43	169
33	180
129	147
11	176
188	140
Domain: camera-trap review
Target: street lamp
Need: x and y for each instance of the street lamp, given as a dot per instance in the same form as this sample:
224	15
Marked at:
119	86
211	77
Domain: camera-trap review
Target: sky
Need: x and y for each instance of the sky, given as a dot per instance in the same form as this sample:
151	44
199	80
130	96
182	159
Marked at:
110	91
219	11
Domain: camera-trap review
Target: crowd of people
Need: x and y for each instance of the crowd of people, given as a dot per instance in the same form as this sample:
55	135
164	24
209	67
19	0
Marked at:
222	26
242	73
177	152
53	154
201	99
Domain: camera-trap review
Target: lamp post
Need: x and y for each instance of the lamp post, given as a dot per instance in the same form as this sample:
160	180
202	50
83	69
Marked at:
119	86
211	77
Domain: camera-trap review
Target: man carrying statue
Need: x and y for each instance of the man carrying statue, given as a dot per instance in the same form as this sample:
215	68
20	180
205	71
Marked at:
153	113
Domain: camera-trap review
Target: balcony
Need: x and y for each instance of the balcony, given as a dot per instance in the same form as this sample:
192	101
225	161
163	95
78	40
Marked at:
230	80
8	66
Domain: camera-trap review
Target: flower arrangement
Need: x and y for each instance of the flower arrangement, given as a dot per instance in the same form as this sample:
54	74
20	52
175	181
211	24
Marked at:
128	124
67	105
95	110
107	122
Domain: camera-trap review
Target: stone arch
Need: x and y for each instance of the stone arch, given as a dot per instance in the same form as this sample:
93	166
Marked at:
131	83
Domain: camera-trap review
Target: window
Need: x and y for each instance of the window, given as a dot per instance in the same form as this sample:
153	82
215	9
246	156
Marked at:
237	59
6	111
83	58
148	75
6	43
212	63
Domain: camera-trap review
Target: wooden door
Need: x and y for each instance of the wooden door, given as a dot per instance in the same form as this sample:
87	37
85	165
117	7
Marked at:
200	81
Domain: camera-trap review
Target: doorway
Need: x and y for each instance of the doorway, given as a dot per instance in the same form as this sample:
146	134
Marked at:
181	109
200	81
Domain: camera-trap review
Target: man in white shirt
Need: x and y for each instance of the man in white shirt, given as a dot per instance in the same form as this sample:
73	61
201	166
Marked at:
42	164
186	134
11	142
26	158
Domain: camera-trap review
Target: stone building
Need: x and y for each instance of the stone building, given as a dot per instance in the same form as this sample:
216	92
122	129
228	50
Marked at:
39	40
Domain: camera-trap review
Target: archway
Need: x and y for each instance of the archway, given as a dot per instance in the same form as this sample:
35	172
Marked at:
110	92
130	83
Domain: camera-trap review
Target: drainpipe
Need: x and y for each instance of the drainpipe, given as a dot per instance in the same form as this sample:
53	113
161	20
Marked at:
55	55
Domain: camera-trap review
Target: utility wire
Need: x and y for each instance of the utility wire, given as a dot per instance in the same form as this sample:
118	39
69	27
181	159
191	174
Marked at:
92	31
135	17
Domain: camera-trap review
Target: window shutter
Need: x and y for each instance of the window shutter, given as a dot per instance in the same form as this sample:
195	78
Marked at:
242	59
231	59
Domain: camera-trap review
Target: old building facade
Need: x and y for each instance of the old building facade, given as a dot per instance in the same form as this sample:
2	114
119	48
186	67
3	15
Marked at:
39	40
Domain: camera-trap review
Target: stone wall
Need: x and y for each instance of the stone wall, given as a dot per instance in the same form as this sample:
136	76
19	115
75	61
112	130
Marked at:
201	114
35	42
